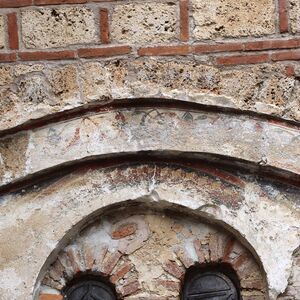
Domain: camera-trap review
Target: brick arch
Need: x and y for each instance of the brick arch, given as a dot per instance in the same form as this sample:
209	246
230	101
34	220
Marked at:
120	255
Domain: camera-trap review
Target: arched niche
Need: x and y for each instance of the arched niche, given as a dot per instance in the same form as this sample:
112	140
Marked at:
145	253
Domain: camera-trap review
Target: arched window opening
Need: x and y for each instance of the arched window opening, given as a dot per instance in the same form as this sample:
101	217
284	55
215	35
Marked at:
211	282
89	288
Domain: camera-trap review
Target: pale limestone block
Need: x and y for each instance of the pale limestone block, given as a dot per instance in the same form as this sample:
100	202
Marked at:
232	18
144	23
59	27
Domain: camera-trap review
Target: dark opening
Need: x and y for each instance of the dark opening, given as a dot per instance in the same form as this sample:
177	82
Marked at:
215	282
89	287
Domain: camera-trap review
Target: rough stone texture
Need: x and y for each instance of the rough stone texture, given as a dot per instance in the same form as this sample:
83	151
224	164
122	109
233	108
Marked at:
238	18
144	23
67	201
32	90
57	27
147	129
2	32
143	271
294	14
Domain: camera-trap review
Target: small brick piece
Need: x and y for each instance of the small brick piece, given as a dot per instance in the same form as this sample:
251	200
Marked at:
104	26
14	3
228	248
74	258
164	50
13	36
174	269
8	57
53	2
42	55
129	288
226	47
272	44
110	262
283	16
286	55
290	71
104	52
120	273
170	285
184	20
242	59
199	251
124	231
50	297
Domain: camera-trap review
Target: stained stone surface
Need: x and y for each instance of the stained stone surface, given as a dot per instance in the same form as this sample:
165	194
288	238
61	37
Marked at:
294	14
29	91
237	18
147	129
265	216
144	22
57	27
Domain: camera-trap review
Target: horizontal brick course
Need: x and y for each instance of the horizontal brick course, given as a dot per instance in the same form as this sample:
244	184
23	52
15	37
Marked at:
164	50
8	57
100	52
286	55
43	55
242	59
15	3
53	2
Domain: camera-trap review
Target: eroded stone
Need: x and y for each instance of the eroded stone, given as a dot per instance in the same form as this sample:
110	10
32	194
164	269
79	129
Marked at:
294	14
238	18
57	27
144	22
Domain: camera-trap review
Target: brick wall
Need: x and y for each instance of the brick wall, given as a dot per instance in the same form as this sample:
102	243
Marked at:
227	32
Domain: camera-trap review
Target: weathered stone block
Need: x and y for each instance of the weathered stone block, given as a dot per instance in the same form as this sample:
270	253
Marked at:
144	23
227	18
294	12
58	27
2	32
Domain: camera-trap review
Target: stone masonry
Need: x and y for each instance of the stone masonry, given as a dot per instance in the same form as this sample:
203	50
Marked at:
140	140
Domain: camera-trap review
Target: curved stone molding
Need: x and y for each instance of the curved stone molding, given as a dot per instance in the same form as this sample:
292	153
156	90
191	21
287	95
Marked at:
146	256
254	211
122	131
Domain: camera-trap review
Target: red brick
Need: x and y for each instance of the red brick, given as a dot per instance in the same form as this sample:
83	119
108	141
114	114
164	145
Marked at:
120	273
104	26
242	59
8	57
184	20
228	248
199	251
170	285
88	256
164	50
42	55
100	257
240	261
104	52
206	48
172	268
283	16
110	262
286	55
272	44
13	35
124	231
129	288
51	2
74	258
50	297
290	71
15	3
